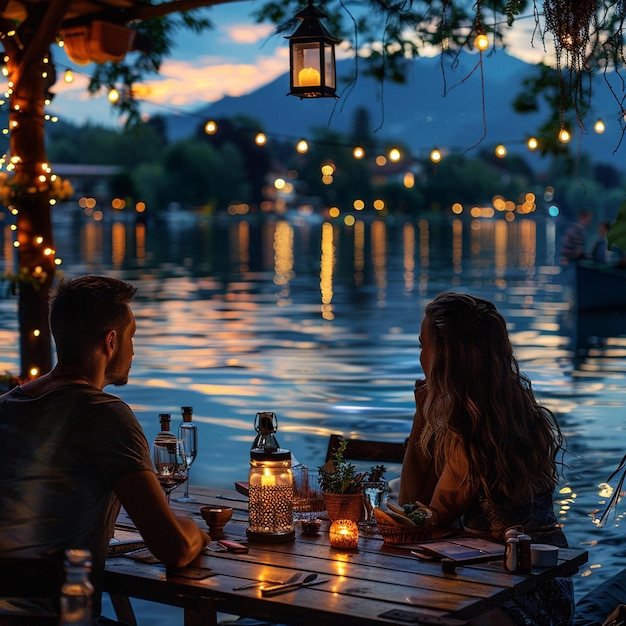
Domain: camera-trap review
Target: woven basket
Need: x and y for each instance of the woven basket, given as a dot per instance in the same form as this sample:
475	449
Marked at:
344	506
393	533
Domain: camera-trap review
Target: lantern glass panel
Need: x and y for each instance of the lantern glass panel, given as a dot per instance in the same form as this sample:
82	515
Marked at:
306	65
329	66
271	497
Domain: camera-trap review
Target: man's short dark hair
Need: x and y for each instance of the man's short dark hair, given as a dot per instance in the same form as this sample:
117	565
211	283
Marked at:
83	310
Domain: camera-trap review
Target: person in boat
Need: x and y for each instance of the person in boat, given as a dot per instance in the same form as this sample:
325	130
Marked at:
574	242
601	252
483	453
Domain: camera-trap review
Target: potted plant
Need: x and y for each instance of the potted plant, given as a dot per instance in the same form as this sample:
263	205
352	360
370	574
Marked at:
342	486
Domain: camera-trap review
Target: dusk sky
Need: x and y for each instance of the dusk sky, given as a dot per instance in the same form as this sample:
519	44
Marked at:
235	58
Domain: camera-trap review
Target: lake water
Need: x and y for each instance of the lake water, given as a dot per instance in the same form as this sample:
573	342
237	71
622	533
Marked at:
318	322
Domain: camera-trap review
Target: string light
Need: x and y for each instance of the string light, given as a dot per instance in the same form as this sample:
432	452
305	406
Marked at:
481	42
68	77
302	146
114	95
564	135
500	151
435	155
395	155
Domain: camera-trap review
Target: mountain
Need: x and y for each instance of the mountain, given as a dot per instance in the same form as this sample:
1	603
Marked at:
438	106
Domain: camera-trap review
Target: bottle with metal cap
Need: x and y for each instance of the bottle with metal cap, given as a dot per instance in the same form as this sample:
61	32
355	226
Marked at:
271	485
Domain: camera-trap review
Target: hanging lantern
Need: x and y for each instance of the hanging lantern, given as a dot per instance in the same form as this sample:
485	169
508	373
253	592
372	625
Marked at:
312	57
270	507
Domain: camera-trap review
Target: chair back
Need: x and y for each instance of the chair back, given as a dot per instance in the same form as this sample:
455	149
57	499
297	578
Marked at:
366	450
37	579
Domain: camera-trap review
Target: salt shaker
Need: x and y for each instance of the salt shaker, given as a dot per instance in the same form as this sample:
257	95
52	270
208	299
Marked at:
510	554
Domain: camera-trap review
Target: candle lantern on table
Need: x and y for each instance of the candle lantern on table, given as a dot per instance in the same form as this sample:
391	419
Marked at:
312	57
344	533
271	485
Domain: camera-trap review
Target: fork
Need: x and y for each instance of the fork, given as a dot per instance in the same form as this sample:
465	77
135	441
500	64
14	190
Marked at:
292	579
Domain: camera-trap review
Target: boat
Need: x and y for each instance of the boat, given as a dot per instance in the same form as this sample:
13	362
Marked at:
599	286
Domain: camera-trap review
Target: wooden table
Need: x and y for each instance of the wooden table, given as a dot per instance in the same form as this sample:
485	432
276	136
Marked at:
361	585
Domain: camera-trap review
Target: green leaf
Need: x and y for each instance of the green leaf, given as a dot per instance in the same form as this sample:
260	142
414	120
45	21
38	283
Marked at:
617	232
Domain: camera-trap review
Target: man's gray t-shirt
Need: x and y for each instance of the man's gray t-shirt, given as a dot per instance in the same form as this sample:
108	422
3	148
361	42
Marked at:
62	452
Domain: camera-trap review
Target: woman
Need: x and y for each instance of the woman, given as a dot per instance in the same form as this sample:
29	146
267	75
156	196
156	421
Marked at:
482	452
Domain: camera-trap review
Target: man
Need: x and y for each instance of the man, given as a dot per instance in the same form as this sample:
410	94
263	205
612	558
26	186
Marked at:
575	239
72	453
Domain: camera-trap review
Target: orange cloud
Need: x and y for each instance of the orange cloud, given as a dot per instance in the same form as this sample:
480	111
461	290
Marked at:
248	33
210	79
183	84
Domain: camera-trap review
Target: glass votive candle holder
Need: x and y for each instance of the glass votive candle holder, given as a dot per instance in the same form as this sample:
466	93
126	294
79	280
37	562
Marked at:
344	534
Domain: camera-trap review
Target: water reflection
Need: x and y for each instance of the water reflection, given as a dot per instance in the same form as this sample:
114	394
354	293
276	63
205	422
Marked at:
319	323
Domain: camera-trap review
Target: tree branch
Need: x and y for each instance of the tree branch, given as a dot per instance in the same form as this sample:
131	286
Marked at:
146	12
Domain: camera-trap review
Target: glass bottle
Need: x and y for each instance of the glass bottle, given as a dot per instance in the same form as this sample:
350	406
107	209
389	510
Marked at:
77	590
188	432
165	433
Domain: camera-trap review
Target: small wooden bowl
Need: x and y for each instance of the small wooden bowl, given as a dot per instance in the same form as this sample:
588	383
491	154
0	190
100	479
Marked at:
216	518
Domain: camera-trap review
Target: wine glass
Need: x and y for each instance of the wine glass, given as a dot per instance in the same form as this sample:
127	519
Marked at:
170	463
188	433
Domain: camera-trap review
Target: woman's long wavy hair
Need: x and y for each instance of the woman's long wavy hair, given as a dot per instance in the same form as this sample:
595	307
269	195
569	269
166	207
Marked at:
477	399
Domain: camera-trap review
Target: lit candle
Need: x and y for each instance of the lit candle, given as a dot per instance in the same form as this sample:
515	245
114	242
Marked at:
268	480
308	77
344	533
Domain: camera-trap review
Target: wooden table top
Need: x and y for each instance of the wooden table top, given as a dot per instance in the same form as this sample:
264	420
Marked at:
361	586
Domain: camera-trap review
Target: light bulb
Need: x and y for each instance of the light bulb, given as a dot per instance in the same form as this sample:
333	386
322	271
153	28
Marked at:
435	155
481	42
394	155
